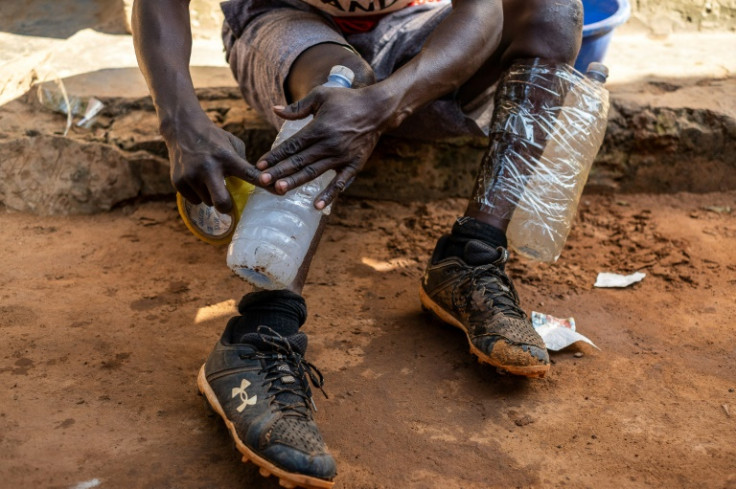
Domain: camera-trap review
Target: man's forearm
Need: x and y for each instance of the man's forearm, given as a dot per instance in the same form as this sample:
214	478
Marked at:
163	45
457	48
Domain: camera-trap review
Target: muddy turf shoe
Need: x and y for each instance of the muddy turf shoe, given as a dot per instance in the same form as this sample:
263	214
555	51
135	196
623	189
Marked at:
475	294
260	389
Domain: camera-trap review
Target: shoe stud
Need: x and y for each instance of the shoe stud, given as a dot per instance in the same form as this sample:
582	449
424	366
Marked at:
286	484
264	472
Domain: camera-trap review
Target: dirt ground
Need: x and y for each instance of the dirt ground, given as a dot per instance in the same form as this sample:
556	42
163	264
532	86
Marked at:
105	320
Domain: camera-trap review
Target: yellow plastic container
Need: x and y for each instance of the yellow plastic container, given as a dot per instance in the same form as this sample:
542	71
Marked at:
207	223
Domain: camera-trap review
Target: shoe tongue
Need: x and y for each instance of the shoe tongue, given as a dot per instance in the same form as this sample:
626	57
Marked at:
480	253
266	343
299	343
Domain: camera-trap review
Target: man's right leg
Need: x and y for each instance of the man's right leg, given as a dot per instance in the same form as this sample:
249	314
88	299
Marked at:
308	70
256	378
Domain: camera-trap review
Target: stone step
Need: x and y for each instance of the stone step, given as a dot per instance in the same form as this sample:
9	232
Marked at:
663	136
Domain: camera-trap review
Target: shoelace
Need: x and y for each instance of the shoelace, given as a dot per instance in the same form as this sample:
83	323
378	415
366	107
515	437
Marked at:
283	367
498	288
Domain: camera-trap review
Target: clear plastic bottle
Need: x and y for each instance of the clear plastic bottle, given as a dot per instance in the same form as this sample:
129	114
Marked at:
544	214
275	231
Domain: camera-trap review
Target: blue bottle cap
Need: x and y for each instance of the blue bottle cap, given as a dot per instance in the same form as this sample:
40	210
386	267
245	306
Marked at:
342	74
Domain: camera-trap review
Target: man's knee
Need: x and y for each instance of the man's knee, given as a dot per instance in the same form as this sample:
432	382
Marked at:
364	74
544	29
311	67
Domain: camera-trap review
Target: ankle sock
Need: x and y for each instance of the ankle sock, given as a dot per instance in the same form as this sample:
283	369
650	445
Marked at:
281	310
468	228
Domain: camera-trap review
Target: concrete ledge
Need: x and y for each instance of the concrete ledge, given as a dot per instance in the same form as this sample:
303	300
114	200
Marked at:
663	136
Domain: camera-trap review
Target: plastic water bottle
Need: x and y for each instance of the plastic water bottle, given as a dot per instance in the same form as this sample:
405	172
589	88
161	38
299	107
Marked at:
543	217
275	231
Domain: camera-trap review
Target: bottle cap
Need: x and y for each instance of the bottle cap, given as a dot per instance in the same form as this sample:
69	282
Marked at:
597	71
343	72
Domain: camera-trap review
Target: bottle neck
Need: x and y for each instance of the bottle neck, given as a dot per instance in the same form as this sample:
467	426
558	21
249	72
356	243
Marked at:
597	71
340	80
594	75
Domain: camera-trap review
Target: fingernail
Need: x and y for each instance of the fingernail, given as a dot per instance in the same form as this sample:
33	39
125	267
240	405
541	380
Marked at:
262	165
266	178
281	185
279	107
320	205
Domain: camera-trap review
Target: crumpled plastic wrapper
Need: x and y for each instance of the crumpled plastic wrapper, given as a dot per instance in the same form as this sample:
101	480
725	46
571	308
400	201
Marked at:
557	333
55	97
606	279
547	129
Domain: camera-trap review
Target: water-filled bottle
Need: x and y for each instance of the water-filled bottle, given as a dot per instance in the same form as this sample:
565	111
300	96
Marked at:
275	231
544	214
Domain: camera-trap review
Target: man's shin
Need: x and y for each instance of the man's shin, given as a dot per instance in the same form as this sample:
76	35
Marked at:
533	107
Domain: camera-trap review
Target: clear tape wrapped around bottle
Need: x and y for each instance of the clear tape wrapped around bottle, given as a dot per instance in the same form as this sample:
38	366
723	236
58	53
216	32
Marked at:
548	126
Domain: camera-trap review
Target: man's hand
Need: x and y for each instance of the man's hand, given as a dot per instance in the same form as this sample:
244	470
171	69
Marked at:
346	127
201	156
201	153
348	122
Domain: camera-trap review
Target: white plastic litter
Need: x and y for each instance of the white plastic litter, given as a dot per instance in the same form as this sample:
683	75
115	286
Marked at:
615	280
557	333
56	98
94	107
87	484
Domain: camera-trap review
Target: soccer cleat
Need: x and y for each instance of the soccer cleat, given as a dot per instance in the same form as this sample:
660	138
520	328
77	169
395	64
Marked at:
474	294
260	389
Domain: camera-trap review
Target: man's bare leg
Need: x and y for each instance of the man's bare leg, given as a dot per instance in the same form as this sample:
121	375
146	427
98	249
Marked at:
284	311
310	70
256	378
469	263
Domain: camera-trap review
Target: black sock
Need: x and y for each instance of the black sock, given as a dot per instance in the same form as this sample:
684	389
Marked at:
468	228
281	310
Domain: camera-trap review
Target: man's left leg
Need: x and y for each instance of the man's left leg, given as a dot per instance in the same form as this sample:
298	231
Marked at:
465	283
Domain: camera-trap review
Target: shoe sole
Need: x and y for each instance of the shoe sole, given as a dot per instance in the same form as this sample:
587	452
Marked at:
289	480
534	371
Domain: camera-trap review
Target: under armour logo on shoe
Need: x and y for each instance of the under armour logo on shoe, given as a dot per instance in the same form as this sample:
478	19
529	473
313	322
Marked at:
240	391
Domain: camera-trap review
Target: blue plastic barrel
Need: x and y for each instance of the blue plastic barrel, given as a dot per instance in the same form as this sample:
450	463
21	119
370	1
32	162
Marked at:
600	18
